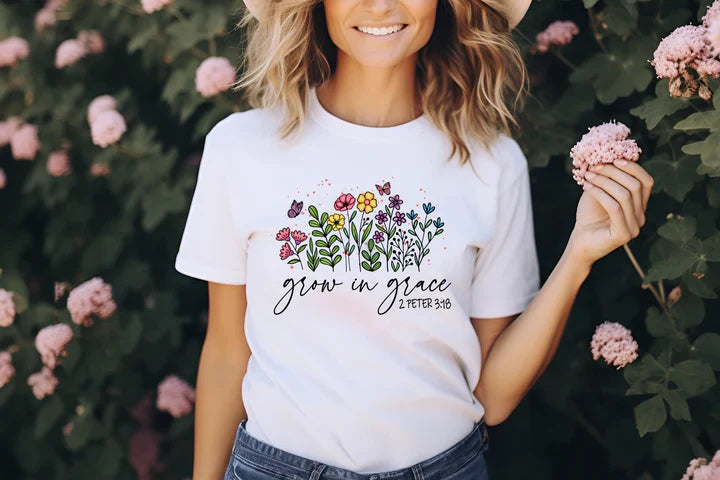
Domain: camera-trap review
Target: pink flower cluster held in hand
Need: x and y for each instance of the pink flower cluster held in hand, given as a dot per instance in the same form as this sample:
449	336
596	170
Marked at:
7	371
603	143
214	75
43	382
58	163
13	49
614	343
25	143
93	297
559	32
175	396
151	6
107	125
700	469
50	342
7	308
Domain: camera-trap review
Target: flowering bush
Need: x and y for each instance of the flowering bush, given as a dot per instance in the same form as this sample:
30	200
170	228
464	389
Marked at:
103	109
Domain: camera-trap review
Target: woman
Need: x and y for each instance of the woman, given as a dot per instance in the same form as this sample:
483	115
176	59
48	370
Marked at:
376	262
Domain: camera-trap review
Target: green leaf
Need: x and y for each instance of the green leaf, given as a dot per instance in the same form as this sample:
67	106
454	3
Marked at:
620	16
679	409
708	149
314	223
654	109
293	261
707	348
694	377
658	324
325	261
323	219
676	178
312	210
648	368
707	120
678	229
650	415
48	414
320	242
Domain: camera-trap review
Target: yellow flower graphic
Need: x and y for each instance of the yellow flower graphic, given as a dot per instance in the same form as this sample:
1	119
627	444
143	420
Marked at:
337	221
366	202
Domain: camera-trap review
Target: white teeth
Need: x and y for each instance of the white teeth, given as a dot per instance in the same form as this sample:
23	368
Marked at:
380	31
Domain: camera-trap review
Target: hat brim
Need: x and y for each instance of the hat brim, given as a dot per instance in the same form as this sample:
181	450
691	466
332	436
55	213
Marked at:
515	10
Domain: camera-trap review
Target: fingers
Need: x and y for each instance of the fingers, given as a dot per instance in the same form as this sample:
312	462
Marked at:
612	207
628	183
642	175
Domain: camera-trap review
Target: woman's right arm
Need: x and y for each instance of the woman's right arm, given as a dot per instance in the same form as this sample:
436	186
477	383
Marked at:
223	362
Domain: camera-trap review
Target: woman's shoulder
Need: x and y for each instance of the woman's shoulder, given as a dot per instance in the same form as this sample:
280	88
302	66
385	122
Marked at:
242	126
506	157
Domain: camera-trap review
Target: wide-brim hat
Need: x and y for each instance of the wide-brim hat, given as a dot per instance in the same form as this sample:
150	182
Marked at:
515	10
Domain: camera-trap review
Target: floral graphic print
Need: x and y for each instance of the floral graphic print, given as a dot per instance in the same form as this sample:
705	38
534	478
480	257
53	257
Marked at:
396	238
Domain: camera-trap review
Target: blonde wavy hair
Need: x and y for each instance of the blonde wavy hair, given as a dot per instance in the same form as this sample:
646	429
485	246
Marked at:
470	76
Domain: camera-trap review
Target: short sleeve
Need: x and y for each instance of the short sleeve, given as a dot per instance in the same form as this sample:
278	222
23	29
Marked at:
506	274
212	246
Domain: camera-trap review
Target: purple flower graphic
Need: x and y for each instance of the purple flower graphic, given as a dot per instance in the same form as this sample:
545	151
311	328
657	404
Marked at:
381	217
399	218
395	202
378	236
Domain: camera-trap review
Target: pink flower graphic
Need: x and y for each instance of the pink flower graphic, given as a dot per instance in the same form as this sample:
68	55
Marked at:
283	234
298	236
285	251
344	202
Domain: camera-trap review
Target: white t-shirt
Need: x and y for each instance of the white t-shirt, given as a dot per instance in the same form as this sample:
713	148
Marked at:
363	361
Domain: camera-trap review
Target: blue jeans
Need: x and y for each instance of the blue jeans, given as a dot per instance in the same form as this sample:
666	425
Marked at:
253	459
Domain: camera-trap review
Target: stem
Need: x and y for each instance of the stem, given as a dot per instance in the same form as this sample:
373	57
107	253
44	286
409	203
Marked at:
211	45
135	10
642	276
177	13
561	57
577	415
596	35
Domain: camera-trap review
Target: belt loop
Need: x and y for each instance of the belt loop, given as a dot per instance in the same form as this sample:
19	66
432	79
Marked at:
317	471
417	472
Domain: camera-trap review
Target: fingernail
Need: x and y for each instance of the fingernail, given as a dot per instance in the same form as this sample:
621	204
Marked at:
590	174
587	186
620	162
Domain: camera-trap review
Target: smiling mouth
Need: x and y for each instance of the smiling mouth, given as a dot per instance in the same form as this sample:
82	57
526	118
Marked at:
385	35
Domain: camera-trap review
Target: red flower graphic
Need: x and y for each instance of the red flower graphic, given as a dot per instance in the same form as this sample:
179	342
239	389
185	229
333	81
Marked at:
344	202
298	236
283	234
285	251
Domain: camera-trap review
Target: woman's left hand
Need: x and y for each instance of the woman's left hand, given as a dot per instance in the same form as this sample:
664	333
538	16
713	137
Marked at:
611	210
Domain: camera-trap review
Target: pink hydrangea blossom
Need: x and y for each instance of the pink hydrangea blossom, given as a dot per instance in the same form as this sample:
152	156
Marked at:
687	47
8	129
603	143
214	75
712	13
175	396
700	469
144	452
67	428
44	18
674	296
107	128
13	49
142	411
60	289
25	143
3	179
93	41
93	297
58	163
99	169
43	382
559	32
151	6
614	343
50	342
713	34
99	105
7	308
69	52
7	371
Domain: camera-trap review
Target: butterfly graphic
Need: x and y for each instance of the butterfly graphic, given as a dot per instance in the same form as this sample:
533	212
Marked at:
295	209
385	189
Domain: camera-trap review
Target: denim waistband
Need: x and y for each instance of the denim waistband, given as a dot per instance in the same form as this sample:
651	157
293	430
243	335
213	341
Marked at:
285	465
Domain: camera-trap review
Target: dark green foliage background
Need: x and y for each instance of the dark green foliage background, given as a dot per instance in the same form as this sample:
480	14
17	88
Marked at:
583	419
